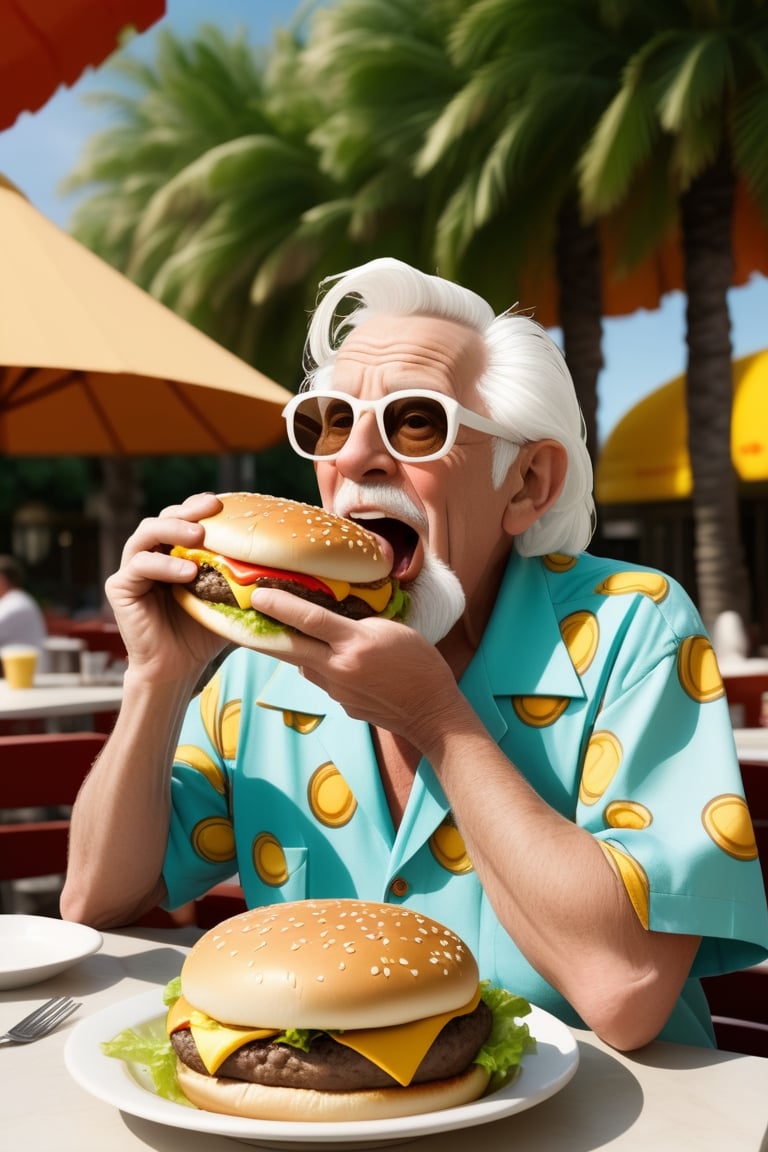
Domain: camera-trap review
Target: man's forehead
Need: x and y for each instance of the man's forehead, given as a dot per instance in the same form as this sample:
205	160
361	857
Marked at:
429	351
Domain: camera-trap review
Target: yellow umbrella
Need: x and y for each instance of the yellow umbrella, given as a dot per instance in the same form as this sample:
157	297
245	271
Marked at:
645	458
91	365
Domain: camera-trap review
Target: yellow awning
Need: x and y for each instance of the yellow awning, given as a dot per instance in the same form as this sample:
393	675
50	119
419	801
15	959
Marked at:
645	458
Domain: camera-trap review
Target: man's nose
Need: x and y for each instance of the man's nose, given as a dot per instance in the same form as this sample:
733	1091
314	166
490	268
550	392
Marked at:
365	450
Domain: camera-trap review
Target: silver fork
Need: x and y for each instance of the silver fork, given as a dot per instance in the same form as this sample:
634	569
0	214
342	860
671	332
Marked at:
40	1022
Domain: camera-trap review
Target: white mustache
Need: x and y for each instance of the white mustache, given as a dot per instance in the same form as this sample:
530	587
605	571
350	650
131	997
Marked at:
382	497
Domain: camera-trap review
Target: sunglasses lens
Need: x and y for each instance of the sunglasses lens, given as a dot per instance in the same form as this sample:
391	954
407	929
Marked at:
322	425
416	425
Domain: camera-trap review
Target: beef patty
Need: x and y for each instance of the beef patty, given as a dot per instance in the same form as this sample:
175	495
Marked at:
210	585
329	1066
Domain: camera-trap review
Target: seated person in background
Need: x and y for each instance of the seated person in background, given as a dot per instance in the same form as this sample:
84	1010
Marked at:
21	618
541	757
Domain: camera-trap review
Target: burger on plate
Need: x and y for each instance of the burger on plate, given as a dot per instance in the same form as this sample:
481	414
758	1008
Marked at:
338	1010
257	540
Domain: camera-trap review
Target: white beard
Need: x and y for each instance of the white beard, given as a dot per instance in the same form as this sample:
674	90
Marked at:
437	597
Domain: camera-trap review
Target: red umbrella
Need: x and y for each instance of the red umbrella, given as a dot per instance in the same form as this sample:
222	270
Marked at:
47	43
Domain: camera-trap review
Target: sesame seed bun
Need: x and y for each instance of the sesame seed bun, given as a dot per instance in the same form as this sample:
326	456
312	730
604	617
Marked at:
287	534
339	963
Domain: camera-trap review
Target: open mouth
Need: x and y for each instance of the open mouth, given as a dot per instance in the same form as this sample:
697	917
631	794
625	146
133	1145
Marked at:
401	537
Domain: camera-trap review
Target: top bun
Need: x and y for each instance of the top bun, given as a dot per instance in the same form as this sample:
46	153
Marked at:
328	964
299	537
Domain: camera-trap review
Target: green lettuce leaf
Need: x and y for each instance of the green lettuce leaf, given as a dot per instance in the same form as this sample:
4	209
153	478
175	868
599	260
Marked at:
149	1047
509	1039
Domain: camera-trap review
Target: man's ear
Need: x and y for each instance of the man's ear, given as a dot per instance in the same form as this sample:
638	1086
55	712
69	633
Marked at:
539	474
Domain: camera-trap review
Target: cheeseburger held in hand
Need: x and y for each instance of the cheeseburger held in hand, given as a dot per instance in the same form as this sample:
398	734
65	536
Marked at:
268	541
338	1010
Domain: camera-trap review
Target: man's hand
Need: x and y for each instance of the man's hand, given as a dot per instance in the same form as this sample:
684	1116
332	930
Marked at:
160	638
382	672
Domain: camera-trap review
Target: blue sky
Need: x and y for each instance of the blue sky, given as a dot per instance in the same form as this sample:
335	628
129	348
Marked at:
641	352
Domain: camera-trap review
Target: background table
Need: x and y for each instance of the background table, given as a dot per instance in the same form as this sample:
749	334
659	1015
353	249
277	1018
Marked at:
58	694
752	745
666	1097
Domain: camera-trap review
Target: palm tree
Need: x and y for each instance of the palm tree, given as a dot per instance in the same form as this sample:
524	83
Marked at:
536	79
204	174
689	119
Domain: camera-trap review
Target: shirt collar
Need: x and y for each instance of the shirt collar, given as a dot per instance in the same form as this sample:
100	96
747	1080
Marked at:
522	647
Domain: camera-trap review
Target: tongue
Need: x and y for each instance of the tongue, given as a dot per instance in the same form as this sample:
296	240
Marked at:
397	541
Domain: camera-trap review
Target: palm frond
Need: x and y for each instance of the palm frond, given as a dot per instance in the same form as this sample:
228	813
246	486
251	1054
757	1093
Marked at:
700	82
750	153
463	112
622	142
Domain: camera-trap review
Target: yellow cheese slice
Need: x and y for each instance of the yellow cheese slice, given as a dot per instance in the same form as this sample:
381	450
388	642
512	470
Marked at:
400	1049
397	1050
215	1041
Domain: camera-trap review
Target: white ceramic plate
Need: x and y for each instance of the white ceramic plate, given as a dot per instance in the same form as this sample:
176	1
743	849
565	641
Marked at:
32	948
129	1088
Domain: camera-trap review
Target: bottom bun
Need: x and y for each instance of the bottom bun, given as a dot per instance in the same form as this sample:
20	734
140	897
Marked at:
273	638
259	1102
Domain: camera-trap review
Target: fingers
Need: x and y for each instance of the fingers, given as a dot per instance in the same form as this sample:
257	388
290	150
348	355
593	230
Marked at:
309	619
195	507
177	524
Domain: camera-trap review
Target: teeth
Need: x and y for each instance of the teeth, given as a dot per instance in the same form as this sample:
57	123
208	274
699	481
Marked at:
368	515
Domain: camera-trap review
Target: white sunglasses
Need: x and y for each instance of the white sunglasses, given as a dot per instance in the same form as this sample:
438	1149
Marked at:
414	424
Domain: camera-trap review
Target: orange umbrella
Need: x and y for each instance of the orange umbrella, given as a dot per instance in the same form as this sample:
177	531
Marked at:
47	43
91	365
660	273
646	456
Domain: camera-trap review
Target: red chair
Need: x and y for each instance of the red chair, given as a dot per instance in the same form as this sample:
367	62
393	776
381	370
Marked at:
221	902
746	691
739	1000
99	636
40	774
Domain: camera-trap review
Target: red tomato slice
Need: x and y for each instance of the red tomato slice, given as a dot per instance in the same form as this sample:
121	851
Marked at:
244	573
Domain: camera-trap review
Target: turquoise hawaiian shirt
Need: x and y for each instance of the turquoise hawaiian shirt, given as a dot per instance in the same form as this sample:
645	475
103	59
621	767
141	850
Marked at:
595	678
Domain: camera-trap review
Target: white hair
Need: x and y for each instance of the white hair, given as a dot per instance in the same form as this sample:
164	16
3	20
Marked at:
526	385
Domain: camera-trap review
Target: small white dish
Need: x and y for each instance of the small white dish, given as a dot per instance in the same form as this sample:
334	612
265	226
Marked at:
129	1087
34	948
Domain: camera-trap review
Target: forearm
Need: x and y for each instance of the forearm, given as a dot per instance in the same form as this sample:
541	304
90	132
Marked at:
556	893
120	821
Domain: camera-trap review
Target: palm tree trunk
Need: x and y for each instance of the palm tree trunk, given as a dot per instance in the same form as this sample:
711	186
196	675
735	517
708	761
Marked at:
580	304
580	307
707	220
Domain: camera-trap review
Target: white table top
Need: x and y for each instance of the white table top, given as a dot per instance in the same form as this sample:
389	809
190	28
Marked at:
752	744
664	1097
58	694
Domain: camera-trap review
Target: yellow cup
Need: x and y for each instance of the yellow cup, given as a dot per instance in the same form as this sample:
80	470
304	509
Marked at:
19	665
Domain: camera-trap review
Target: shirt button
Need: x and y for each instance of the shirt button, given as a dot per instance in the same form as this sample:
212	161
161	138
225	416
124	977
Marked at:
399	887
